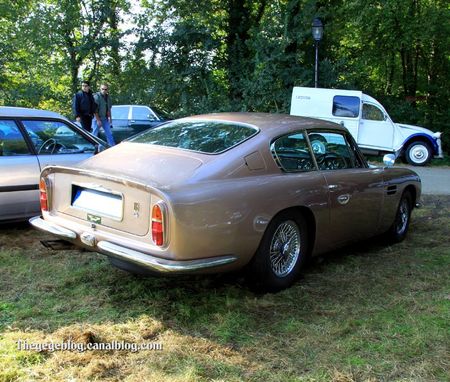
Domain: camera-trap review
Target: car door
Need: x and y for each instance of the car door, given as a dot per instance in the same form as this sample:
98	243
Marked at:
376	130
355	192
19	174
121	116
57	142
142	118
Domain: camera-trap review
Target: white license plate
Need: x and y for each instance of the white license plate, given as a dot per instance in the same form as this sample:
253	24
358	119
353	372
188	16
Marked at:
98	202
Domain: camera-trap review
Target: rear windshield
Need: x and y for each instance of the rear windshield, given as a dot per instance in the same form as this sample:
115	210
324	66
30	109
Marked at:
205	136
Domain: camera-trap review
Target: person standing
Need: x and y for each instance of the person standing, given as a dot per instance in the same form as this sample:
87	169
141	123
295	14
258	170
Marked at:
103	113
83	106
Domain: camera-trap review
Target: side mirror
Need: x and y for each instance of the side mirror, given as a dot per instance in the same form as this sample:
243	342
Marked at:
389	160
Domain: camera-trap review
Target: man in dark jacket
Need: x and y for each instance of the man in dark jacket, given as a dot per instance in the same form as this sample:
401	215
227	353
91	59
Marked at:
83	106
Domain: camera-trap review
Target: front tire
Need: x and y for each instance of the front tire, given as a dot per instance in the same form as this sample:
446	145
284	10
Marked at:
281	253
418	153
399	228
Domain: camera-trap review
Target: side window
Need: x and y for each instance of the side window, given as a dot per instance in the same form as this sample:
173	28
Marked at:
372	113
120	112
292	154
12	141
332	151
142	113
56	137
346	106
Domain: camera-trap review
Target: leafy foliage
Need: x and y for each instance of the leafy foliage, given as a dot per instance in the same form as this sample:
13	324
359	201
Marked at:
217	55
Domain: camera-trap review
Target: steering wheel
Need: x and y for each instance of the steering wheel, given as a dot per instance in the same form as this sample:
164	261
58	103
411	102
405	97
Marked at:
334	162
318	143
50	146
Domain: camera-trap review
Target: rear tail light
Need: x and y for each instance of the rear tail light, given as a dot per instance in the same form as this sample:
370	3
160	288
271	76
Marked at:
158	225
43	196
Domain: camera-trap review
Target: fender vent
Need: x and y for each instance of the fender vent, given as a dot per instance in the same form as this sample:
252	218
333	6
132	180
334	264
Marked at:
391	190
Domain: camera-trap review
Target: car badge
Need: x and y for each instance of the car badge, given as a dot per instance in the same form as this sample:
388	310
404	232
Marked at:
136	209
94	219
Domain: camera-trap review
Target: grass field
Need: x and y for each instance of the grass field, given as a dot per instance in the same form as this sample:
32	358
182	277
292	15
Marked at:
365	313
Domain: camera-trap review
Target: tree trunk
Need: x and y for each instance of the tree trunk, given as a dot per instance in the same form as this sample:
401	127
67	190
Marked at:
113	21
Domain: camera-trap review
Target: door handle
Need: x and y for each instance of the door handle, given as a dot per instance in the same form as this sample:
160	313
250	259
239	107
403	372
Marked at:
343	199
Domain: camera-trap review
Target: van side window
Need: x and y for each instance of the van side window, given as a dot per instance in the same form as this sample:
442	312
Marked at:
372	113
346	106
291	153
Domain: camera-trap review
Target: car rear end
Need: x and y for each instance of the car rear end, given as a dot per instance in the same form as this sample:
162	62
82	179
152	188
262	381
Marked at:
119	217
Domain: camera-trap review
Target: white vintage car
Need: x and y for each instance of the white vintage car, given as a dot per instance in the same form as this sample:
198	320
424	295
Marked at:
368	122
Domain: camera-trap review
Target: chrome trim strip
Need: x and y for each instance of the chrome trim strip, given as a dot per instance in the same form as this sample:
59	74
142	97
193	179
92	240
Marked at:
23	187
161	265
43	225
141	259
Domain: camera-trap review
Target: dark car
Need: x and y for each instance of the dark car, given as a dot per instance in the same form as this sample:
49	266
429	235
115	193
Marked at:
128	120
30	140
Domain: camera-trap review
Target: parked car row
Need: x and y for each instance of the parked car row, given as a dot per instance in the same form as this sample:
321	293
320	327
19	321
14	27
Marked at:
220	192
129	120
260	191
30	140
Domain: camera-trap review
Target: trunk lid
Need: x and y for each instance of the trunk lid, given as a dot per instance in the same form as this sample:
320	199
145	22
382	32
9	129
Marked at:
161	167
100	200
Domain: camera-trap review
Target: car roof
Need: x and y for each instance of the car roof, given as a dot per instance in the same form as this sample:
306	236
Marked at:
11	111
271	123
130	105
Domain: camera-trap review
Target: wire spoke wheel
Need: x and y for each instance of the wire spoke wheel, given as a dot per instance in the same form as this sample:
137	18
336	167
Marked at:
281	253
285	248
399	227
402	217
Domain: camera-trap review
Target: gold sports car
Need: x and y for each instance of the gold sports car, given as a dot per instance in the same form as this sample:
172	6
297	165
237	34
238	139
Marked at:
217	192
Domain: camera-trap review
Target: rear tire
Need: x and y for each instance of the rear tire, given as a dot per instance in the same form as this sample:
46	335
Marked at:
399	228
280	255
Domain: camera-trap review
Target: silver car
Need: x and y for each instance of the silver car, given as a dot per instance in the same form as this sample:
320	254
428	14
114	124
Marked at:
31	139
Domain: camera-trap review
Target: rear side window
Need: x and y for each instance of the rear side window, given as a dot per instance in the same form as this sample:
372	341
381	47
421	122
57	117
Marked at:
346	106
12	141
292	154
209	137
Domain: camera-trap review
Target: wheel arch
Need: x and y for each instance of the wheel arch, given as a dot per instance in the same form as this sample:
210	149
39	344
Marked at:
419	138
413	192
310	220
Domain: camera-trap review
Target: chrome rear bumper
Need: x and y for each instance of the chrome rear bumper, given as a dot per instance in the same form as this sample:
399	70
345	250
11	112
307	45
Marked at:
141	259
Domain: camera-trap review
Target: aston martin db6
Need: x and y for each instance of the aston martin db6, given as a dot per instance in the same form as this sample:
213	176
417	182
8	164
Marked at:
218	192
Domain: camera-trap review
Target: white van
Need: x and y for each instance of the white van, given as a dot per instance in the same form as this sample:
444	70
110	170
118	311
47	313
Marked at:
368	122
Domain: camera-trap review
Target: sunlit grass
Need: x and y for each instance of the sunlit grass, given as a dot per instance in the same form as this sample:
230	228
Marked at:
364	313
